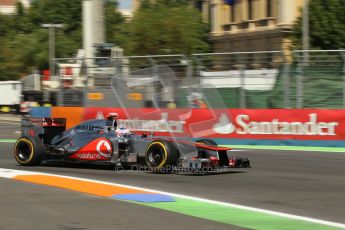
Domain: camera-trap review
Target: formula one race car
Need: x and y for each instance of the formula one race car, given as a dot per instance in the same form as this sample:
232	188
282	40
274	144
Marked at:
45	139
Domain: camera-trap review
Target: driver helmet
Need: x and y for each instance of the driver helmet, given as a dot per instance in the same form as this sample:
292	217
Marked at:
112	116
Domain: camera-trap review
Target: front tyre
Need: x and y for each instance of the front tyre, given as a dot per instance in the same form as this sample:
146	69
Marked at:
207	142
161	156
29	151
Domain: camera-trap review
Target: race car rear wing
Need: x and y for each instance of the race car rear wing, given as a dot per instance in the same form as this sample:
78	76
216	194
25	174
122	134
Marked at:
44	128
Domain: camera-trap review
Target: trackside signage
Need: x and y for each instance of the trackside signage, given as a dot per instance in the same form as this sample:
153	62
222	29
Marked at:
277	127
302	124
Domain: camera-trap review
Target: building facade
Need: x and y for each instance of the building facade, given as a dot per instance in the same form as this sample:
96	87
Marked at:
250	25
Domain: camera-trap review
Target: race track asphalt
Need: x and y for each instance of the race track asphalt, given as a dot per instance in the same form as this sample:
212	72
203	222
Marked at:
41	207
309	184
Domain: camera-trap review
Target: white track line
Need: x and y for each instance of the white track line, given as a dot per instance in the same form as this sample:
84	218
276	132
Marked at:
10	173
9	122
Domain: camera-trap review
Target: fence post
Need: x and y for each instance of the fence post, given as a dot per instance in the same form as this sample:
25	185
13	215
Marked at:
242	83
156	97
117	65
198	63
86	82
189	73
343	56
189	64
59	94
286	80
299	80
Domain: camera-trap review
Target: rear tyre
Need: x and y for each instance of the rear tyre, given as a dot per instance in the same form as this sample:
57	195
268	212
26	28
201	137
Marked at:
29	151
207	142
161	156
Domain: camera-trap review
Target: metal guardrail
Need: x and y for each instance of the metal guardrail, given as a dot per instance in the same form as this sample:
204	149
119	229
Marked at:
267	79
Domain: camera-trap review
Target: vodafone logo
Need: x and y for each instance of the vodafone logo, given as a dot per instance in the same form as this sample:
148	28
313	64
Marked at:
103	148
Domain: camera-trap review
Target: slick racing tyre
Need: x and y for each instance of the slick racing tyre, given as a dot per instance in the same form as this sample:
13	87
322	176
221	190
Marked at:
161	156
207	142
29	151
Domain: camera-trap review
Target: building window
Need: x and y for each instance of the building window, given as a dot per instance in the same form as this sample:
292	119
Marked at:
269	8
213	18
233	11
250	9
198	5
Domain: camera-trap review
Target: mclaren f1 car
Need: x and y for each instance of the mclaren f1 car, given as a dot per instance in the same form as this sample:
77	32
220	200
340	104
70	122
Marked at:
46	139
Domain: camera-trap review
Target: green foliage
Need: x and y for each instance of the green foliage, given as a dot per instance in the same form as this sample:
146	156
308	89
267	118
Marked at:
63	11
4	25
327	25
113	22
24	44
7	67
165	27
172	3
145	4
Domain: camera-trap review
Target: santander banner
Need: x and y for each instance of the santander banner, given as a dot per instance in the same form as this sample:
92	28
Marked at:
298	124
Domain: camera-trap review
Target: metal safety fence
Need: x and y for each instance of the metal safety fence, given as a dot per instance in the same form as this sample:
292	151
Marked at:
268	79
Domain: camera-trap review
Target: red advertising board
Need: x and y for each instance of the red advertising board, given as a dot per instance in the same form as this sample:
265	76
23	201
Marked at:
273	124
